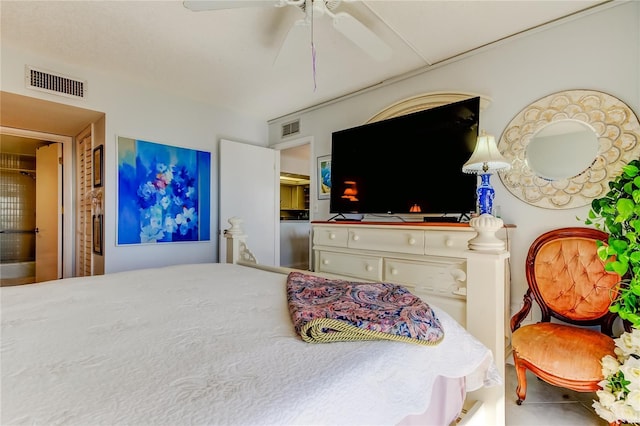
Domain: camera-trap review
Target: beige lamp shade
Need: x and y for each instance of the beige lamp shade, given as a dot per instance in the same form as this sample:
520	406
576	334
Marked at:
485	158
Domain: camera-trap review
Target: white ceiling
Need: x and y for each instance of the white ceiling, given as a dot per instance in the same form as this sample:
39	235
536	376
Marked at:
230	57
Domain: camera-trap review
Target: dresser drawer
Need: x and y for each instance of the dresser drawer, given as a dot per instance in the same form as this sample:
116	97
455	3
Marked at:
448	240
441	278
330	236
353	265
396	240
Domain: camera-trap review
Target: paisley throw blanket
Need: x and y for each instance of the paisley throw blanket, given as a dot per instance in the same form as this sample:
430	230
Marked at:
328	310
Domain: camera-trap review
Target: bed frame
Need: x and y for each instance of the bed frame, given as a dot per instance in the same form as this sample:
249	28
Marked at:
486	261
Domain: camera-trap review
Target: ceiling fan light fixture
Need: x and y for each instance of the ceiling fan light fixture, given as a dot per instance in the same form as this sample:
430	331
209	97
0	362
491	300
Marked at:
343	22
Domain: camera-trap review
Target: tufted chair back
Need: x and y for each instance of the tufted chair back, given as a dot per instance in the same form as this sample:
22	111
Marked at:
568	281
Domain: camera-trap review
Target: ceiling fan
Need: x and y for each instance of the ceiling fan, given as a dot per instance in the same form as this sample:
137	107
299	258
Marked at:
344	23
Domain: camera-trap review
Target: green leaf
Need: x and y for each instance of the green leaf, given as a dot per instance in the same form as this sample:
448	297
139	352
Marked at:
628	188
619	246
618	267
625	207
635	319
630	170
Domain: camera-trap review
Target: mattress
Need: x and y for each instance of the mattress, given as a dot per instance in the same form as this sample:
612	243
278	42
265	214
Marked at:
206	344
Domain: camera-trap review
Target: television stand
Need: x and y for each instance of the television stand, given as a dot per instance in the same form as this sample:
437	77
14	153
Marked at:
441	219
341	218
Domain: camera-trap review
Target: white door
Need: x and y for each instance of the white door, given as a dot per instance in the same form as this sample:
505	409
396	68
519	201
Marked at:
249	189
48	212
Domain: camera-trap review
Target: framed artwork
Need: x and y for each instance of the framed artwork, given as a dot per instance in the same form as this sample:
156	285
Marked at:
324	177
97	234
98	168
164	193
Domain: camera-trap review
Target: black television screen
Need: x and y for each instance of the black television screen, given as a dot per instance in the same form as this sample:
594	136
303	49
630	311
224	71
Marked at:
408	164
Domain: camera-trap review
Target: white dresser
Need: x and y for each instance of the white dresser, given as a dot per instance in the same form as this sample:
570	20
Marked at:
434	262
429	259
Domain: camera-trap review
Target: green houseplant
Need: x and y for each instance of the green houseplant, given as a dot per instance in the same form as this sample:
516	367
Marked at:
618	213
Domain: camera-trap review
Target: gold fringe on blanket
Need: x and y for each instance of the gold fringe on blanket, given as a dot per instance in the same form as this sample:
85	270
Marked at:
326	330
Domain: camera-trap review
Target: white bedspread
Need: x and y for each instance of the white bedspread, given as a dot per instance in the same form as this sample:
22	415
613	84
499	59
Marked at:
204	344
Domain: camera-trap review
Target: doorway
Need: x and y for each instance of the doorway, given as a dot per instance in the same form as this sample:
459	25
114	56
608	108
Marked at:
295	202
21	161
33	118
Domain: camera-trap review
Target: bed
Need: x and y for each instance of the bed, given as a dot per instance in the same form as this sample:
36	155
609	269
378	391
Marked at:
213	344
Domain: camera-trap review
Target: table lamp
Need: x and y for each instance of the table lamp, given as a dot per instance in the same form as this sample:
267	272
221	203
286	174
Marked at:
485	160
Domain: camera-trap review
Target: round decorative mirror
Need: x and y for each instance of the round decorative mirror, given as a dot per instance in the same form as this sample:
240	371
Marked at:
565	147
562	149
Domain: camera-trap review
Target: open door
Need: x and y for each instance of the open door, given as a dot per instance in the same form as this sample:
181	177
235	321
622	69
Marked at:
249	189
48	212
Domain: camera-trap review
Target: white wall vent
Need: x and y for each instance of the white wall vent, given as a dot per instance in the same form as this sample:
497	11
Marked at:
291	128
58	84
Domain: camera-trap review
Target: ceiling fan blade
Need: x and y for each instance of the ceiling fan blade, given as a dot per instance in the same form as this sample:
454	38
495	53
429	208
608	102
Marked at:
298	38
361	36
202	5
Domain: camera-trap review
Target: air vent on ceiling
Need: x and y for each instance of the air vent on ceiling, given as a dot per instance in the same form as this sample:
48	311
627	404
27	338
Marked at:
58	84
291	128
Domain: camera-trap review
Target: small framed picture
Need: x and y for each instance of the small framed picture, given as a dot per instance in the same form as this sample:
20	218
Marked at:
98	168
324	177
97	234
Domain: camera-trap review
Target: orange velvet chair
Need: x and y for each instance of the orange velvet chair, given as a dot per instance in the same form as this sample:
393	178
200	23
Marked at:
568	281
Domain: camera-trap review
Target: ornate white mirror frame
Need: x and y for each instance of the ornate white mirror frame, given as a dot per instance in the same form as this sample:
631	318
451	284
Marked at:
618	134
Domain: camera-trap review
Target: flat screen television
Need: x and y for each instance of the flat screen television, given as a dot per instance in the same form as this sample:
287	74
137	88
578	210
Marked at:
408	164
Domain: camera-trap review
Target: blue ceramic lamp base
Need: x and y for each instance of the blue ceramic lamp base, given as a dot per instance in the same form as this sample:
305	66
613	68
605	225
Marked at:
485	193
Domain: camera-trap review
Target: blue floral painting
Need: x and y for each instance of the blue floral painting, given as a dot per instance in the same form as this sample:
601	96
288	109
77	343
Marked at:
324	176
164	193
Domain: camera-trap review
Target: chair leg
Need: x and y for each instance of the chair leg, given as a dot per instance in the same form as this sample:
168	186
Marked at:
521	375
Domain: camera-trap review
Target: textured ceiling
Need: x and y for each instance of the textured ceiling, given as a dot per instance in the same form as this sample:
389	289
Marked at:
233	57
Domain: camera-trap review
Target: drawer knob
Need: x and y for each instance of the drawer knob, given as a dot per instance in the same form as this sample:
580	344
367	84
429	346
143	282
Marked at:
394	271
448	242
458	275
356	237
325	261
412	241
332	236
369	268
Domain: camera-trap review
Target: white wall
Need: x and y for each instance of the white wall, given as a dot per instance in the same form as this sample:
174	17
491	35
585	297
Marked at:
597	51
296	160
142	113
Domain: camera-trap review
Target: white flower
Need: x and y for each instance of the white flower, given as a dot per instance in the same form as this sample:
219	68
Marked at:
633	399
610	365
619	397
631	371
165	202
604	412
623	411
606	398
629	343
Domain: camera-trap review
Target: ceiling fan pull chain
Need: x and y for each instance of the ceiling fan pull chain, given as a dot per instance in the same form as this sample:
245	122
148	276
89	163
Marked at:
313	52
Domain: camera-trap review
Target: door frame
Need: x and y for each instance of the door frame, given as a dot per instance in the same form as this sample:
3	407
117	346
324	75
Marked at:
312	175
313	206
68	243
